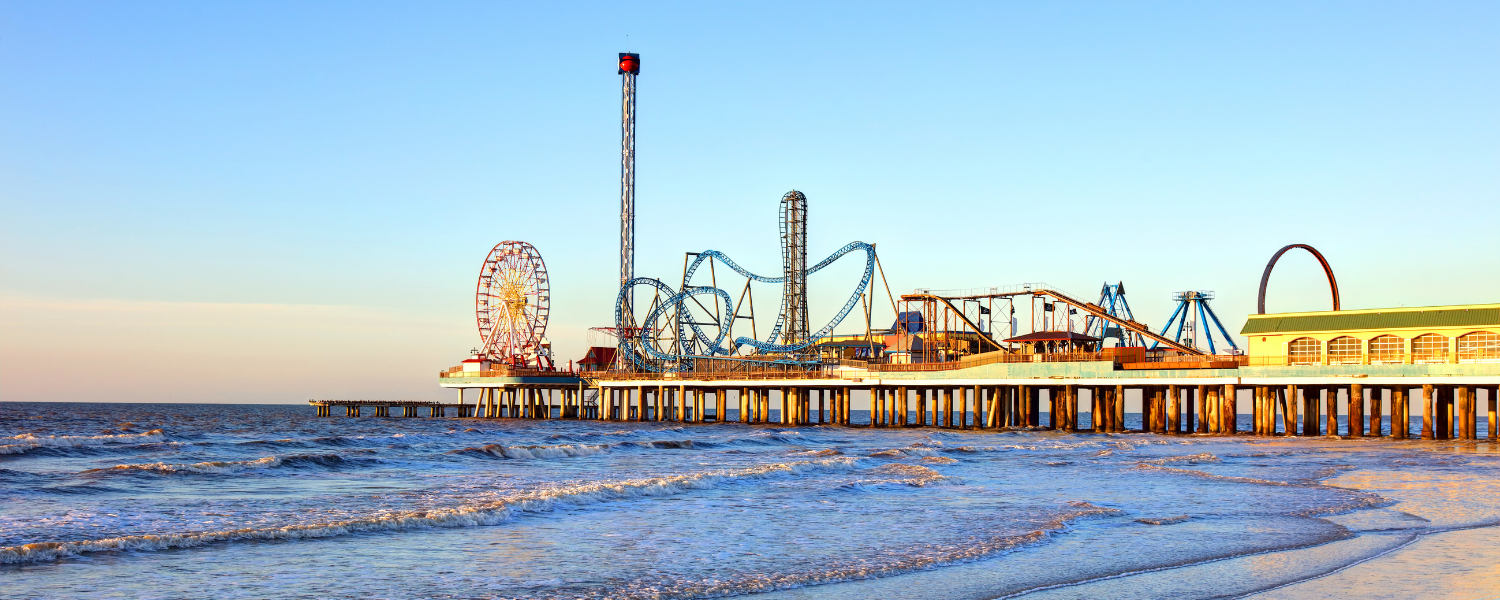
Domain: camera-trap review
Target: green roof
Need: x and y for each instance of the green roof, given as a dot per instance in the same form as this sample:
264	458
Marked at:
1398	319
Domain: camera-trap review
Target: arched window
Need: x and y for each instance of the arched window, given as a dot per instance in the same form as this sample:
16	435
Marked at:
1429	348
1305	351
1345	351
1387	350
1479	346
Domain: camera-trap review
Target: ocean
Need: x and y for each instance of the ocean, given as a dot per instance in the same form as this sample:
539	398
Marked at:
266	501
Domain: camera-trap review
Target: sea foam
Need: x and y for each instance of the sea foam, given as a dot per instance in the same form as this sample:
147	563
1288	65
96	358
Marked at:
27	442
486	513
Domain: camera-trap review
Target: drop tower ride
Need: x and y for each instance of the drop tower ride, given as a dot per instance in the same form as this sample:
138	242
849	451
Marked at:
629	67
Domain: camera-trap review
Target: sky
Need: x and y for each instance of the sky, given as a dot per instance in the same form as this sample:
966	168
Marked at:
277	201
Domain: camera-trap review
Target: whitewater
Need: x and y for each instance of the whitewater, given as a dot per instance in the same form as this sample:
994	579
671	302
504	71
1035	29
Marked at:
251	501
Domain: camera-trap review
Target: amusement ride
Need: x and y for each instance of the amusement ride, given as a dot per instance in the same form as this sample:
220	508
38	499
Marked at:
696	322
511	303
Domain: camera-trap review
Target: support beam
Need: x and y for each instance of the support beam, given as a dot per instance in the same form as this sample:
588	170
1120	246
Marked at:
1310	425
1428	431
962	396
978	407
1442	417
1490	423
1400	413
1174	409
1117	409
1231	409
1356	423
1291	409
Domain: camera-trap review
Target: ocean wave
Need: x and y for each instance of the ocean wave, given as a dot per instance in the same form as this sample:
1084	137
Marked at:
27	442
329	461
1163	520
1227	478
78	489
1033	447
485	451
1191	459
216	467
854	486
971	449
335	440
771	436
913	450
594	435
752	441
886	564
1357	501
225	467
487	513
1330	471
671	444
22	483
23	477
26	483
524	452
280	443
416	438
907	474
1352	500
405	438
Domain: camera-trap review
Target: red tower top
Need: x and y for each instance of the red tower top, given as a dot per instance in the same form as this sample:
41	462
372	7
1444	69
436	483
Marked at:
630	62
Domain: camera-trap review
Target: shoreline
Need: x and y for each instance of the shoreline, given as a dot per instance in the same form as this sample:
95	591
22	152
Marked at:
1393	550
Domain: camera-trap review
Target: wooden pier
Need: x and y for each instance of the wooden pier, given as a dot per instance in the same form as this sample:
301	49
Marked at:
382	408
1330	379
1451	411
1447	411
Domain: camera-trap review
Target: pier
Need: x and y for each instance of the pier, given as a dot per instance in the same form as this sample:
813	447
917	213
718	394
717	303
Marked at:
1024	356
1169	405
382	408
1054	361
1329	374
1081	396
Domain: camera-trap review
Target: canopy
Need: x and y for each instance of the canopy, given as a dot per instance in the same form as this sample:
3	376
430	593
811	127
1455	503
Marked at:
1053	336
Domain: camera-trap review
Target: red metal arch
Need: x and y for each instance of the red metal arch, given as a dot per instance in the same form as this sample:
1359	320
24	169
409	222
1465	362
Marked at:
1265	278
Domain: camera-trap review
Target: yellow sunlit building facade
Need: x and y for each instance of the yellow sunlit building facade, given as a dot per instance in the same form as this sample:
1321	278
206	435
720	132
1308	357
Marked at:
1385	336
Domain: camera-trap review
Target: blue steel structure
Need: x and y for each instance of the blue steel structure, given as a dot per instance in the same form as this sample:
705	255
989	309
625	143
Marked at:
649	357
1112	300
1193	310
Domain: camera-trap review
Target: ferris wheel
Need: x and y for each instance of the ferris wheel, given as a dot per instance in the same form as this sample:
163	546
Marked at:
511	305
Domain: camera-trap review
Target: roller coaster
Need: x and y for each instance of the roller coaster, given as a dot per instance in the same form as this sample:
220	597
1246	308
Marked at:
679	328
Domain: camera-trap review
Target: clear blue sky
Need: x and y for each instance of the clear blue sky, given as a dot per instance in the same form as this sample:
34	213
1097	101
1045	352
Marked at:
262	201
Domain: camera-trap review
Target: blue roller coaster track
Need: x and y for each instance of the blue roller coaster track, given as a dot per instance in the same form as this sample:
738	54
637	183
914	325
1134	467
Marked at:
647	356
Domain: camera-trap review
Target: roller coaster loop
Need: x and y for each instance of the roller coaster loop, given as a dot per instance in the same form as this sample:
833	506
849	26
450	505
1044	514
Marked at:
676	300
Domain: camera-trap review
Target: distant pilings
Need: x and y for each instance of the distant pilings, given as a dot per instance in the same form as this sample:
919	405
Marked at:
1343	410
